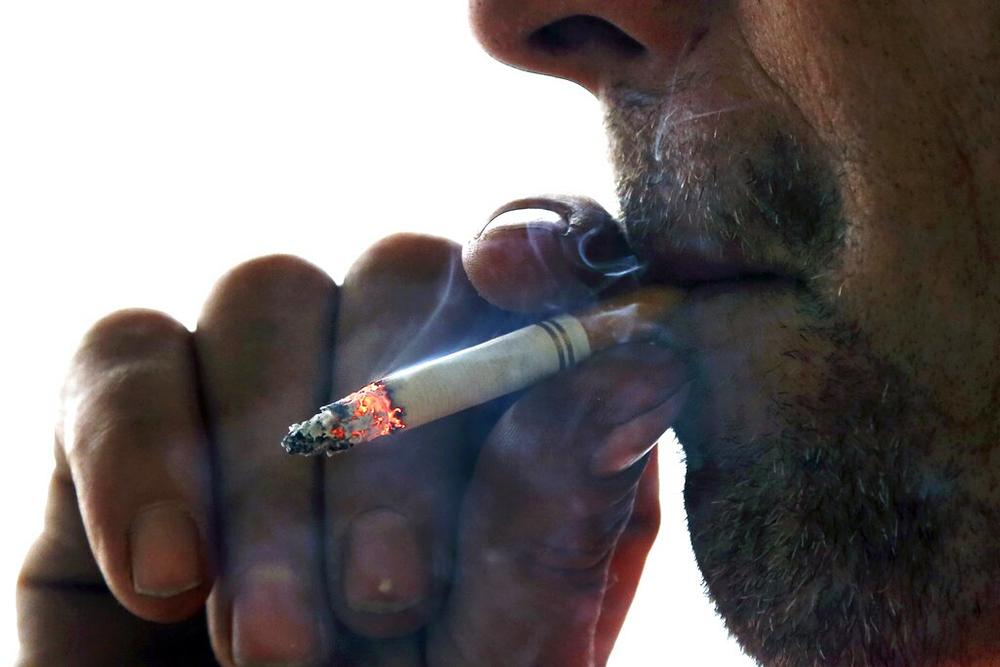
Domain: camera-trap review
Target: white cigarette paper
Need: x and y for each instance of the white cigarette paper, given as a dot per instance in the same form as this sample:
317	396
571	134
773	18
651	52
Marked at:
429	391
501	366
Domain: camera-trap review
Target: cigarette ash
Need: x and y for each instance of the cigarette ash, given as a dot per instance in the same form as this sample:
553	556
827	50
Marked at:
366	414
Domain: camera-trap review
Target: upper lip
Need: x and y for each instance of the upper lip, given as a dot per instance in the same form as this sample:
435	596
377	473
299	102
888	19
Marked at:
603	254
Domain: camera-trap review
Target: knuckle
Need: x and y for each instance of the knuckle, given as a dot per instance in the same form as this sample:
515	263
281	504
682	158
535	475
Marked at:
584	538
581	568
534	451
406	297
586	389
582	562
126	353
574	395
136	385
520	437
611	386
406	256
131	333
127	363
271	278
123	399
562	520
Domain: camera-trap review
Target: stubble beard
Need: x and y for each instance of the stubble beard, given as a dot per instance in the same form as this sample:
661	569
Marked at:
847	535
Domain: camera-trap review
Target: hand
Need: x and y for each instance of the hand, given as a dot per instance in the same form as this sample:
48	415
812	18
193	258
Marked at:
472	541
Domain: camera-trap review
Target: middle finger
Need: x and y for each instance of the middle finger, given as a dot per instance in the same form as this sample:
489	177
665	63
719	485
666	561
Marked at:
263	346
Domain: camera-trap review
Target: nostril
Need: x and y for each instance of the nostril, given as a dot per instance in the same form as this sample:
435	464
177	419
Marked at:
579	32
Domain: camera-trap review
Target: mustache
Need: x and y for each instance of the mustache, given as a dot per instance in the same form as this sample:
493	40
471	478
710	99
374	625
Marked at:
733	174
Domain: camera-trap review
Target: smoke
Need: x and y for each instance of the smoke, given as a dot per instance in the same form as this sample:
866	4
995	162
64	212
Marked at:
427	334
611	269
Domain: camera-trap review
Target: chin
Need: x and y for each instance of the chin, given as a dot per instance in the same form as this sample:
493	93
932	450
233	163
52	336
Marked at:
837	515
828	524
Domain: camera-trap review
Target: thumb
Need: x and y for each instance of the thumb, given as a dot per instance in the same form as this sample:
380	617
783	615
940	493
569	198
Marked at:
545	254
553	490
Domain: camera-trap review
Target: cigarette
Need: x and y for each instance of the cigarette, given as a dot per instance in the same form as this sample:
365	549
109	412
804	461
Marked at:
420	394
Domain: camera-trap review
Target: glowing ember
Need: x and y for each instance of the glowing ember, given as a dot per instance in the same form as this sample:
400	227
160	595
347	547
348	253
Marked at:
366	414
372	414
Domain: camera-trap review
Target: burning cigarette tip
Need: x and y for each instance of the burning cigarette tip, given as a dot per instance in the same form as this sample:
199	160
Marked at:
366	414
447	385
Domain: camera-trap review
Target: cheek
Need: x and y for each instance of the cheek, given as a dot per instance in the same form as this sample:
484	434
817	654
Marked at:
913	265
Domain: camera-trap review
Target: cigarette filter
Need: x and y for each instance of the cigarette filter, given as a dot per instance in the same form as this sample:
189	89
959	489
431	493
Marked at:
429	391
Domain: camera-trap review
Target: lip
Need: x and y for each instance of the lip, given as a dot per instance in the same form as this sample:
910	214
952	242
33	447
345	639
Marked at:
708	272
690	264
713	459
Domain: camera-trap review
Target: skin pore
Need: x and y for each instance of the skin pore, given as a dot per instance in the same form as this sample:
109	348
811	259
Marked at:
844	458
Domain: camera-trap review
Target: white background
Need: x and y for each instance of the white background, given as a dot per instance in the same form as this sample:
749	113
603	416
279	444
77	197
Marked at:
147	147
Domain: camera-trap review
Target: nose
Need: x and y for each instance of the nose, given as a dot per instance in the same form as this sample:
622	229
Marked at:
597	43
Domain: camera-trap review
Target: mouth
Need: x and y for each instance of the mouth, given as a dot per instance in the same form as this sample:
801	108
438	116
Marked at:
714	276
693	262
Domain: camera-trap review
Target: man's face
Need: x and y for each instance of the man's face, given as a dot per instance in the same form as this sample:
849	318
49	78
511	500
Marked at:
826	176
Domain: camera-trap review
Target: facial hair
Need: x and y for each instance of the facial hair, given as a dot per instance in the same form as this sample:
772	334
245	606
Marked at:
848	534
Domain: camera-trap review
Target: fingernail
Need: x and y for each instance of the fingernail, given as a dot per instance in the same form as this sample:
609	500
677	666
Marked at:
628	443
165	551
384	568
523	218
273	619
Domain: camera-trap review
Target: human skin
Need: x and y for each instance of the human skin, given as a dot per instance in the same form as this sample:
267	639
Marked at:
486	538
845	506
844	500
